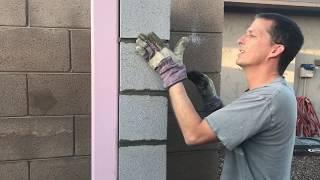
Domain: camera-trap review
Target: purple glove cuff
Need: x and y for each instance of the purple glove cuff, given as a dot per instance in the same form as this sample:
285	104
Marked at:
170	72
213	104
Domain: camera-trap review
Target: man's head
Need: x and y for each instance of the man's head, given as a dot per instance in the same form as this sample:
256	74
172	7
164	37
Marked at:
272	37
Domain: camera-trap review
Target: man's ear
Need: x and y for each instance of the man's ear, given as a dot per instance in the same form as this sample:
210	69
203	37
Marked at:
277	50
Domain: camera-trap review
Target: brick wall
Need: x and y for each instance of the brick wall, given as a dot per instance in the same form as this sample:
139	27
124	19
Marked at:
202	21
143	102
45	89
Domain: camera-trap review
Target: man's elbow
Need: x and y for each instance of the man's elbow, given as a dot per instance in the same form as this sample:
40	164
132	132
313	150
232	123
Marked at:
194	139
191	140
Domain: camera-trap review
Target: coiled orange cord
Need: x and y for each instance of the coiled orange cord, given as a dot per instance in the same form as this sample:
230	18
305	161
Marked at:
308	124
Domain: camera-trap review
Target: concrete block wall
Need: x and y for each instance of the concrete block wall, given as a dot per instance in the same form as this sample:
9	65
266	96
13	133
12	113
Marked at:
143	102
45	90
202	21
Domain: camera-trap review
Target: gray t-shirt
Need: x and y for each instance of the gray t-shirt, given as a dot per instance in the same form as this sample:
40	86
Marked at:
258	130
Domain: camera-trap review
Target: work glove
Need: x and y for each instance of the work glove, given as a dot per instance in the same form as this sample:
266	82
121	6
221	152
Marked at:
160	58
206	90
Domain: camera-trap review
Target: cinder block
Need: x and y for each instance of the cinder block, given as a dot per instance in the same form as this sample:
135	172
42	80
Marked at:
60	13
142	117
203	52
192	165
135	73
83	135
144	16
69	168
14	170
13	95
197	16
80	51
142	163
59	94
34	49
13	12
176	143
35	137
193	93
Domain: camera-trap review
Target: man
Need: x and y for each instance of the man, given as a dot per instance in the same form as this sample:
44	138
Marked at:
257	129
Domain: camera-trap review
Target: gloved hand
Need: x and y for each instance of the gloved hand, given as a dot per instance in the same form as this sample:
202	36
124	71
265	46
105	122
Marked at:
160	58
207	91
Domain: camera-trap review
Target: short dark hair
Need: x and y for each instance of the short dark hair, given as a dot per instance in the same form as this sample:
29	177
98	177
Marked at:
286	32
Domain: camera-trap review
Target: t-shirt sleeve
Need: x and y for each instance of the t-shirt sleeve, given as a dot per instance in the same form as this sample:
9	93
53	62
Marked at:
240	120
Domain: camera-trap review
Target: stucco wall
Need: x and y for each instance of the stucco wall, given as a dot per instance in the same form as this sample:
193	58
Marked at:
45	89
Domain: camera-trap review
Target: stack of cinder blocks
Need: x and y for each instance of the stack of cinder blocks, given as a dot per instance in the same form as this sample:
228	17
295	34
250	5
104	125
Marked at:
202	21
143	101
45	90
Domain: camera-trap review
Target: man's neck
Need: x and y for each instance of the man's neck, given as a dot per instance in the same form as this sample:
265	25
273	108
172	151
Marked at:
259	77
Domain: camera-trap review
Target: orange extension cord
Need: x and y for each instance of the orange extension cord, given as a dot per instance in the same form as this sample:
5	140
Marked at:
308	124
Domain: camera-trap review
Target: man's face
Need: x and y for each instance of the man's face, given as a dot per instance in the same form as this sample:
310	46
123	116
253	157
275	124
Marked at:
255	44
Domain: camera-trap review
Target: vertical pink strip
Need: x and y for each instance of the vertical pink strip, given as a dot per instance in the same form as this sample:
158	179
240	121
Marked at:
104	28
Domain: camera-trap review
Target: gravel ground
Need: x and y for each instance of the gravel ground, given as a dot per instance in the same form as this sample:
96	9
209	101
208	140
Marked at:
303	167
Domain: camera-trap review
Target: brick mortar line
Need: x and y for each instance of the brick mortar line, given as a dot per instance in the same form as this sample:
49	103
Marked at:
40	72
144	92
49	158
29	170
151	142
27	14
30	116
65	27
27	94
74	135
12	26
70	56
38	27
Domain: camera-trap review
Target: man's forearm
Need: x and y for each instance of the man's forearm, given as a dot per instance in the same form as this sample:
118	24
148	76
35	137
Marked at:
194	130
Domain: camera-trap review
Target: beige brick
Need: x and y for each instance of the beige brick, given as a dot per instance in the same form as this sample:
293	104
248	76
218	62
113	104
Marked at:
13	12
69	168
80	51
13	95
142	163
83	135
142	117
135	73
59	94
14	170
60	13
34	49
144	16
35	137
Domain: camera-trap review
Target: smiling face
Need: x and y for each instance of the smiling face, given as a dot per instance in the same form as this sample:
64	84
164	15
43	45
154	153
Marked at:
256	44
